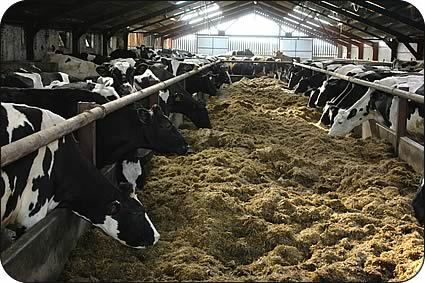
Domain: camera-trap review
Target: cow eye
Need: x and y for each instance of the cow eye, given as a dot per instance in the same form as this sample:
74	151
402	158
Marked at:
113	208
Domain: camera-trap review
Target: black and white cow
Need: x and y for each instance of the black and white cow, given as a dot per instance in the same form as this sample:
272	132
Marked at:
58	175
242	69
104	90
174	99
71	65
131	127
200	82
26	79
119	74
333	86
418	203
351	94
383	108
408	66
92	57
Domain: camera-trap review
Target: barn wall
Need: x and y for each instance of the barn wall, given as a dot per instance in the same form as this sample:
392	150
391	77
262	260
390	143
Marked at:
368	52
404	54
44	40
384	52
12	42
354	52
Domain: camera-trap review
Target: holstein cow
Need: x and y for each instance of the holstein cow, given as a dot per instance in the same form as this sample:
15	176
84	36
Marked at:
174	99
119	74
26	79
383	108
72	66
408	66
351	94
334	86
200	82
418	203
57	175
119	133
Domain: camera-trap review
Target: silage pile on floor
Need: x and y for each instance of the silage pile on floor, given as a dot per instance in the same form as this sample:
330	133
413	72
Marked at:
267	195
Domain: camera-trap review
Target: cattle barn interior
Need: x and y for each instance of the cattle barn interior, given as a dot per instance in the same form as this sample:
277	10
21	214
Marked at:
212	140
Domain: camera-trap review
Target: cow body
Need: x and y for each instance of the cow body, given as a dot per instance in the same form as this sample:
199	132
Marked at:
383	107
131	128
71	65
174	99
57	175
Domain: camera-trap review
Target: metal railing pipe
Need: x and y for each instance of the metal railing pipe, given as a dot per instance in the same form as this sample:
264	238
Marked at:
22	147
390	90
266	62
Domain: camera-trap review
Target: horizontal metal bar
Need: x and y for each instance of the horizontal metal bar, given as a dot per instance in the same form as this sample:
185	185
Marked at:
22	147
393	91
265	62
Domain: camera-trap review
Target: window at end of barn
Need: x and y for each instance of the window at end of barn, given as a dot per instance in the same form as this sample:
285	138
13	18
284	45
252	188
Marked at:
64	39
89	40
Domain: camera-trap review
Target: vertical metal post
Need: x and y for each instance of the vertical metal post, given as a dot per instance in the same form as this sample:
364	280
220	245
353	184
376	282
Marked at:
401	120
87	134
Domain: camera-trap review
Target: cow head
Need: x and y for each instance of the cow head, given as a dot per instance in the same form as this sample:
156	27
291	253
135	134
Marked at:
330	89
162	136
122	73
347	119
119	213
184	103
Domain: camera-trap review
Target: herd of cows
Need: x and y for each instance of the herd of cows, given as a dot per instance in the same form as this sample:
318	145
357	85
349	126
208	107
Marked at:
59	176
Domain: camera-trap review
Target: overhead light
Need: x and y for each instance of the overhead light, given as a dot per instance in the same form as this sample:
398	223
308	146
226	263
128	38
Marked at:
339	24
179	2
335	18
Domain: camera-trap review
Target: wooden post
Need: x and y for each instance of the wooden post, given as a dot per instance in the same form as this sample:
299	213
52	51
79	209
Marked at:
87	134
401	121
349	51
375	51
361	51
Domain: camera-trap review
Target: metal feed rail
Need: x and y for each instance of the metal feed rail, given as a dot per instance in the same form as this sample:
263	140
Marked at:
22	147
390	90
264	62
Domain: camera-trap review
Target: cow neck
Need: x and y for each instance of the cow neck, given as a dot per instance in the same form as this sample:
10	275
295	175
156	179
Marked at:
79	182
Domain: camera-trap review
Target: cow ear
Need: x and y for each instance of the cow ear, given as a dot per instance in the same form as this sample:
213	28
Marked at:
141	69
113	208
144	115
353	113
126	188
178	97
157	111
103	70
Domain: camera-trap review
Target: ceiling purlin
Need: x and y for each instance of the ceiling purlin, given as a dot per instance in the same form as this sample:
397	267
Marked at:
170	9
385	12
284	13
298	3
168	17
225	9
228	15
265	13
375	25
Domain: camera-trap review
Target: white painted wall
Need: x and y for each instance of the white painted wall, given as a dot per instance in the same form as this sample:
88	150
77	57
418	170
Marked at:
367	52
404	54
354	52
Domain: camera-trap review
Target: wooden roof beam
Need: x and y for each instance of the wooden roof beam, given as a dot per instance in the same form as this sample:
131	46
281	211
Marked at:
200	26
385	12
401	37
318	32
168	17
226	9
340	21
336	30
116	28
